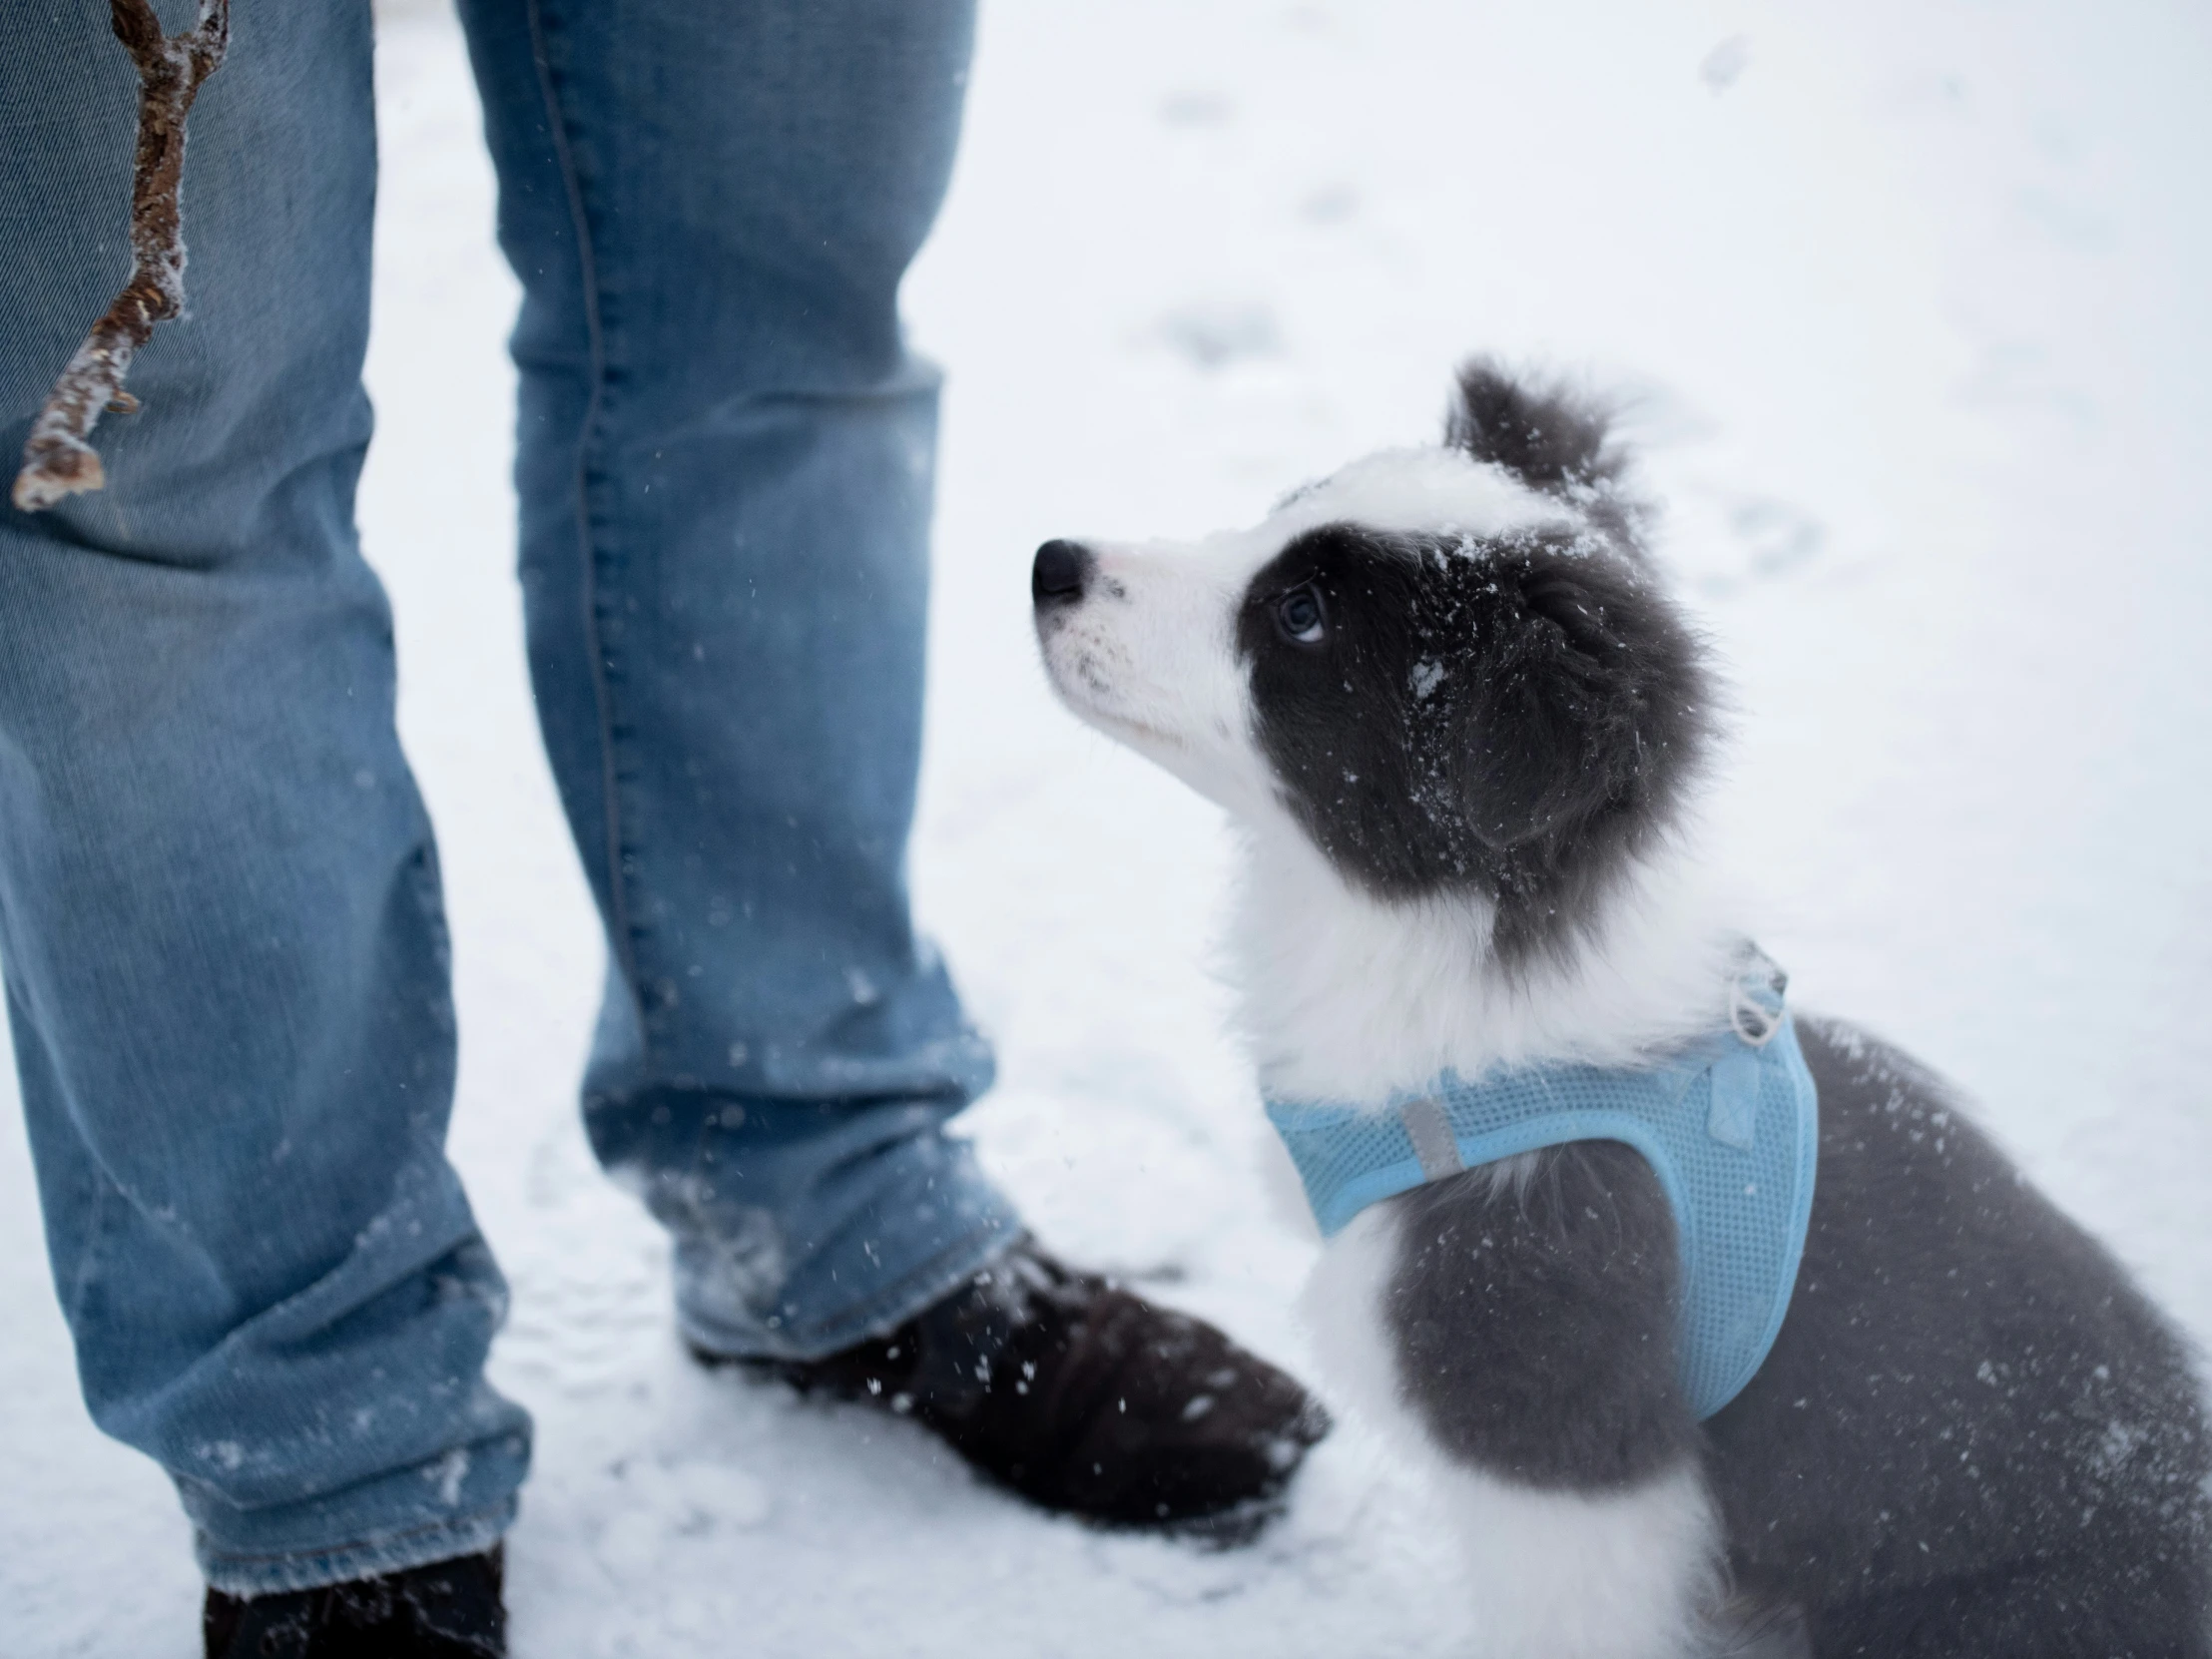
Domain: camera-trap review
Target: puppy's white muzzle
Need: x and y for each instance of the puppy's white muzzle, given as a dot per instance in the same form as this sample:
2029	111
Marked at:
1141	643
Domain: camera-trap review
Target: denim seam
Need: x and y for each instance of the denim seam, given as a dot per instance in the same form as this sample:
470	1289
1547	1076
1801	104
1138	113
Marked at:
88	1264
364	1546
618	901
426	877
382	1553
892	1305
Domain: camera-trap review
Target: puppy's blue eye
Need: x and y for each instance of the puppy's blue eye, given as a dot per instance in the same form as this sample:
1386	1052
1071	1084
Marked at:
1298	613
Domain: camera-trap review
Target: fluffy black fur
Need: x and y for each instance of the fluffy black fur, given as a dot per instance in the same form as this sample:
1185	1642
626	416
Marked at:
1546	435
1582	1255
1556	440
1516	718
1974	1438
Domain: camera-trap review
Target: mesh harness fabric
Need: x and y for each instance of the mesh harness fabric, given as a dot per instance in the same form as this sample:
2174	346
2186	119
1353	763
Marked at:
1730	1124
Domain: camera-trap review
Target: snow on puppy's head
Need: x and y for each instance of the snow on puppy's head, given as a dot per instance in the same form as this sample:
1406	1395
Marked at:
1451	670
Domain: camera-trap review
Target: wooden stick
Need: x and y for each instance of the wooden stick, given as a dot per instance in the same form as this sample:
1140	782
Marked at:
57	462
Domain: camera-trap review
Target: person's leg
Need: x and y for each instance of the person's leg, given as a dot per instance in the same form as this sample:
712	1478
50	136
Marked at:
725	474
220	917
724	468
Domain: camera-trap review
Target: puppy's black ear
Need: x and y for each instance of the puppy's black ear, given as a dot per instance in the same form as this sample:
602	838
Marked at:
1586	720
1548	436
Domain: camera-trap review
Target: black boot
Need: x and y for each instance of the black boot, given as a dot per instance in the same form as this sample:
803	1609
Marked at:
1083	1398
446	1610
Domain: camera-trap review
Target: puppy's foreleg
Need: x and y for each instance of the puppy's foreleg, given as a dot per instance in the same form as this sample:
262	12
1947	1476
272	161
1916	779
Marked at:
1497	1329
1589	1575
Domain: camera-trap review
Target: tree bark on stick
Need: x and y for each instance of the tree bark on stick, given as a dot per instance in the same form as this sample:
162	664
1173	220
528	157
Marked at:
57	459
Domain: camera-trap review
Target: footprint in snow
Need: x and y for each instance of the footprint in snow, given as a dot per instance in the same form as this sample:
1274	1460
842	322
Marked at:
1210	334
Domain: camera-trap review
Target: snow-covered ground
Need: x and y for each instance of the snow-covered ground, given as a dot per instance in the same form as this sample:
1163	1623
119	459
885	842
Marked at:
1912	298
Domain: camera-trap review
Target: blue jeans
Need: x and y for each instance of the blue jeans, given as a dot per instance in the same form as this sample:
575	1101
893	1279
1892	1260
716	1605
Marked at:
219	911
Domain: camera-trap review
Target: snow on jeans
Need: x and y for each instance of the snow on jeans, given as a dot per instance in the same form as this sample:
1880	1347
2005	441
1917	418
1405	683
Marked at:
219	911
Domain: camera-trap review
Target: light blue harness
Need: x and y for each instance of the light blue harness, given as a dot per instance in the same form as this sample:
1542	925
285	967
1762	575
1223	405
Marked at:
1730	1124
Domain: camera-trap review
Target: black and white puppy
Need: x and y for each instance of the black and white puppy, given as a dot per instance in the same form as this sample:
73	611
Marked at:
1462	730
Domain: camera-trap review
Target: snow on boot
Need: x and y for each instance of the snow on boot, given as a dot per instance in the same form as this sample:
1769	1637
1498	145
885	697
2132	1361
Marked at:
1084	1397
446	1610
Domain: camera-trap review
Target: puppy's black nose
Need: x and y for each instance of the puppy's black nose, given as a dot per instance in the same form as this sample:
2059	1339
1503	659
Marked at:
1058	576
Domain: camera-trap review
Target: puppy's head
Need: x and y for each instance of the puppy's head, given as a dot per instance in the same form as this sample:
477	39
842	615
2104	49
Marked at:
1452	670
